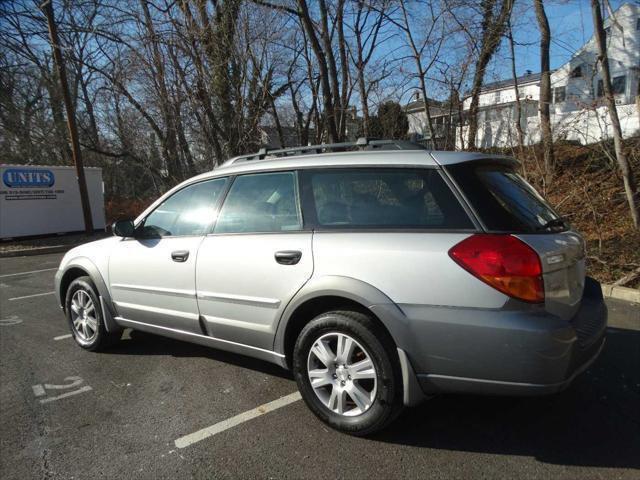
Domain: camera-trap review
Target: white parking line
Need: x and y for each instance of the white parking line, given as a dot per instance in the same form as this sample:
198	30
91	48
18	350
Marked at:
86	388
31	296
62	337
27	273
192	438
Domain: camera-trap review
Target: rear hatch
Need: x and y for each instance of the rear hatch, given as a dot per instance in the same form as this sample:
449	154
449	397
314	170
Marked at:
506	203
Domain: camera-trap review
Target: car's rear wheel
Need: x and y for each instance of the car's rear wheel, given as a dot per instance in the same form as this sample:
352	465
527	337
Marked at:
347	372
85	317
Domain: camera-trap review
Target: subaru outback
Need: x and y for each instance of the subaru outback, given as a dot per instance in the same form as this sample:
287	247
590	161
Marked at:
379	272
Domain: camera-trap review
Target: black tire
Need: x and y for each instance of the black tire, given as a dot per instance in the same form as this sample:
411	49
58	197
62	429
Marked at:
102	339
387	402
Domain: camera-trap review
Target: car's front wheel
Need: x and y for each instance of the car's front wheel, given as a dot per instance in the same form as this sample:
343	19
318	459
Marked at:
85	317
347	372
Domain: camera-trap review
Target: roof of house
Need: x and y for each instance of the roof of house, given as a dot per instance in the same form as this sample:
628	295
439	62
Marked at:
419	104
524	79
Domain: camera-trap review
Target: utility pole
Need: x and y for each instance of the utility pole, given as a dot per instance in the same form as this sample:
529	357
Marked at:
47	8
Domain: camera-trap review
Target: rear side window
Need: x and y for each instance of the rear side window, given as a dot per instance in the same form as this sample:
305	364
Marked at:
384	198
265	202
504	200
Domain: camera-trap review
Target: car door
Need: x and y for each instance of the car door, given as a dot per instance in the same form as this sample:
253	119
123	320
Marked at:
152	276
256	259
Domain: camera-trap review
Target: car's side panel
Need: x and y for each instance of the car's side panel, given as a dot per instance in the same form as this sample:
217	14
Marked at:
148	286
206	340
346	287
411	268
242	289
86	265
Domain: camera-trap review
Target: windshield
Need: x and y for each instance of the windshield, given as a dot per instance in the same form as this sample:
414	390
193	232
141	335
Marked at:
504	200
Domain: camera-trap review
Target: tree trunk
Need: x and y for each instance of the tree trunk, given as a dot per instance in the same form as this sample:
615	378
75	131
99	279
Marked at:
55	103
623	163
276	119
364	102
518	105
327	95
492	30
344	70
545	90
169	140
427	109
210	127
638	99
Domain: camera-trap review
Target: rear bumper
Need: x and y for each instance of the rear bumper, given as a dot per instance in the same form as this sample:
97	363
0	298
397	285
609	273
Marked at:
506	352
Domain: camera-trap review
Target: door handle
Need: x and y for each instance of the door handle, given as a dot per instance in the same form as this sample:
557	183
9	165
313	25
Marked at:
180	255
288	257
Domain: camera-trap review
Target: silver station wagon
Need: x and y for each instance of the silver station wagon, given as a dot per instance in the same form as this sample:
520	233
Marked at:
380	273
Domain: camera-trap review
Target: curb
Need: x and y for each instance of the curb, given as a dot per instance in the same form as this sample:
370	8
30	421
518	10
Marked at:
28	252
621	293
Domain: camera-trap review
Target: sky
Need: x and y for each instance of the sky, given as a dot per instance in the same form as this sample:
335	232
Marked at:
571	27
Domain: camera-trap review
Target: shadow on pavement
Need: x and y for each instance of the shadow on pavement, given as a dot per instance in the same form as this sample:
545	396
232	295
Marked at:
143	343
595	422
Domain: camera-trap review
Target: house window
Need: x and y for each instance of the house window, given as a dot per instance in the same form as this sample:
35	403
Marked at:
618	86
530	109
497	98
576	72
607	32
559	94
638	24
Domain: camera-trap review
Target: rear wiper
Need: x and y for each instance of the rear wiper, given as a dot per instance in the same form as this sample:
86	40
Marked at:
554	222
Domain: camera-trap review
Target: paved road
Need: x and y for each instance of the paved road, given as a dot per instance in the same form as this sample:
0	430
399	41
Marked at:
69	413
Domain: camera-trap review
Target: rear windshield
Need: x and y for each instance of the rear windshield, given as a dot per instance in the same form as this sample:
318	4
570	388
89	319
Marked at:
384	198
504	200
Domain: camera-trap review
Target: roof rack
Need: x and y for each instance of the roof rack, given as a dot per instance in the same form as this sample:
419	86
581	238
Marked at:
360	144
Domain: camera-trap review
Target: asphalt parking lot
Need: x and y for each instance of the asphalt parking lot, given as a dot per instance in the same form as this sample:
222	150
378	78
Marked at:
68	413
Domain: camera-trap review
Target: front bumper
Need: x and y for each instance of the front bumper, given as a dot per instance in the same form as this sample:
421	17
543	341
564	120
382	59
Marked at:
507	352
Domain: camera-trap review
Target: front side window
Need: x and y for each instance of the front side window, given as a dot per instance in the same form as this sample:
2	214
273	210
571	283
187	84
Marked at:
559	94
260	203
385	198
187	212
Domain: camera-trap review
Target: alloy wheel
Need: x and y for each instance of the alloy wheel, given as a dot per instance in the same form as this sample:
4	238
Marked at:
342	374
83	316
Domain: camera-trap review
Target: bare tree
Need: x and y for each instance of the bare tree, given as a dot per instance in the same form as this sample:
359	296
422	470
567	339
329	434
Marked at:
366	33
545	89
495	14
432	39
628	177
517	120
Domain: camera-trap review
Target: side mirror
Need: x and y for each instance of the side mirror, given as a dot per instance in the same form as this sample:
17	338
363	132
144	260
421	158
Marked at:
123	228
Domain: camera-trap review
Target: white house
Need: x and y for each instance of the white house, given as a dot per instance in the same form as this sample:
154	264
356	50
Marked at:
577	111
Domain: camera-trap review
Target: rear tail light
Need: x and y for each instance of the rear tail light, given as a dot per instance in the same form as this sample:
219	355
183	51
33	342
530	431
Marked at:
504	262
